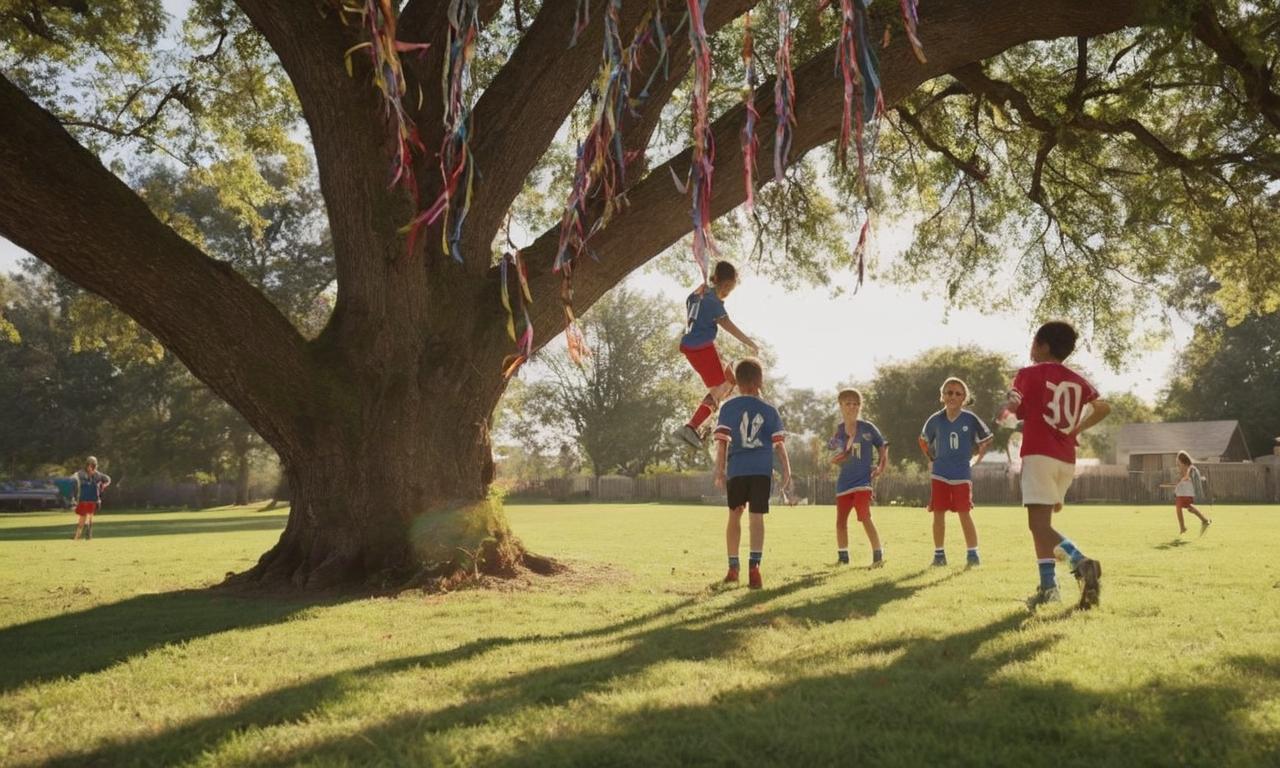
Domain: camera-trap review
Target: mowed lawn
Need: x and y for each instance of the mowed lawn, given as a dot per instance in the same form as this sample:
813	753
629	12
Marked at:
111	653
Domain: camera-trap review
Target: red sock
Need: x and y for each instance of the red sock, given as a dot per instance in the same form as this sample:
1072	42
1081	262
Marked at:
700	415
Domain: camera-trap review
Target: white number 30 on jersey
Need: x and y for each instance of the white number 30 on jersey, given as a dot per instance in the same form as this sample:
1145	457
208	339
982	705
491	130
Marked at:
1064	408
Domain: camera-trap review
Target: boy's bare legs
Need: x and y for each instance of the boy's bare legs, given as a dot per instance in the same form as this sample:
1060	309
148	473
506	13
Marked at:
1182	526
1040	521
756	524
79	528
1087	572
970	530
939	529
1192	509
733	531
873	536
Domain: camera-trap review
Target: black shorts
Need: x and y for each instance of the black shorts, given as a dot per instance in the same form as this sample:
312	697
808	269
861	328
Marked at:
752	489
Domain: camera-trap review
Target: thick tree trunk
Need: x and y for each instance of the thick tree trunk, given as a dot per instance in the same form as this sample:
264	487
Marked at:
396	495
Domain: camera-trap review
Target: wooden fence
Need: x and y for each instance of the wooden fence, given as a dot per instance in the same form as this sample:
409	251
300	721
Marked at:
992	485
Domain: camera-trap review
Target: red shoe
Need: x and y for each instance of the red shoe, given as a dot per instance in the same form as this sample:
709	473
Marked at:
753	579
731	577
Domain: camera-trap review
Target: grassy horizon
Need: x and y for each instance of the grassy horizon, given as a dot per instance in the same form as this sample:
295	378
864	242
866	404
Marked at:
112	653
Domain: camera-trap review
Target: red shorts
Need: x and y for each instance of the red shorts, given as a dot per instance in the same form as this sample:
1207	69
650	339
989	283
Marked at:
86	507
859	500
706	361
1182	502
950	497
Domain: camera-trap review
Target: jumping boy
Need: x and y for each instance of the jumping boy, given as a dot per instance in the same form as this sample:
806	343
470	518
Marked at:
89	486
704	316
856	443
1051	400
948	439
1189	487
747	434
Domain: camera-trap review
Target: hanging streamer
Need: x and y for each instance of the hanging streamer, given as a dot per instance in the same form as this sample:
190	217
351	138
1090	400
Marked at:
378	18
457	168
911	23
524	342
600	170
784	96
750	141
704	149
857	64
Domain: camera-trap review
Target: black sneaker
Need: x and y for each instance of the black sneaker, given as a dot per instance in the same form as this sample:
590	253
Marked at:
1043	595
1089	576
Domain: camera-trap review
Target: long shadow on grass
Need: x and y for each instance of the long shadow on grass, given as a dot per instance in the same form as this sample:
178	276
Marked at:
73	644
106	528
659	636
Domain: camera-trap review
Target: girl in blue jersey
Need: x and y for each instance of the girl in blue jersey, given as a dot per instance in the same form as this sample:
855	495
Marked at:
949	439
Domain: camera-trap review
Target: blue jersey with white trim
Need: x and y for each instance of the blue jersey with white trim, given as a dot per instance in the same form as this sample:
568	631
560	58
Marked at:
703	310
855	472
952	443
751	427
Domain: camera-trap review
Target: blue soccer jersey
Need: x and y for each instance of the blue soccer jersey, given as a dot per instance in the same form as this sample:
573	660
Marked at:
952	443
89	484
703	310
751	427
855	472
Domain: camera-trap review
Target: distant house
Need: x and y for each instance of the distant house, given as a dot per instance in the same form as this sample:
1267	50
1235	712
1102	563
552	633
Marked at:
1155	446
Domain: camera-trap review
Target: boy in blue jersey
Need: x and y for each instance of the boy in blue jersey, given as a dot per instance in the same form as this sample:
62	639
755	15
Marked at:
948	439
747	434
89	486
857	443
704	316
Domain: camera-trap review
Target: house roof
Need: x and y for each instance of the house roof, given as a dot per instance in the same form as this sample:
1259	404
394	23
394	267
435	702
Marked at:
1201	439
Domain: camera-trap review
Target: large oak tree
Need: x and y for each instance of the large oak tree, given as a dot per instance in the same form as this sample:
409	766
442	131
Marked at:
1113	140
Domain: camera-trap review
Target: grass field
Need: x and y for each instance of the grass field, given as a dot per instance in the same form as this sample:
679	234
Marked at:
111	654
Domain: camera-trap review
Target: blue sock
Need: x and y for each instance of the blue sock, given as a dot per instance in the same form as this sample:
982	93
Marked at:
1073	554
1047	578
754	559
733	561
842	555
877	555
939	552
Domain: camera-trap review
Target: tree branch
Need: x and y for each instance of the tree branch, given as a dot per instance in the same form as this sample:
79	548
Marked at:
956	34
61	204
971	167
1257	78
537	90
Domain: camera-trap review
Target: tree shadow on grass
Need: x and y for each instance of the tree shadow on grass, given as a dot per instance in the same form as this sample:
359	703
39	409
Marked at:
73	644
670	633
106	528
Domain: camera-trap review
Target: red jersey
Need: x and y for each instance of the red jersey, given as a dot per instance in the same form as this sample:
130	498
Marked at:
1052	398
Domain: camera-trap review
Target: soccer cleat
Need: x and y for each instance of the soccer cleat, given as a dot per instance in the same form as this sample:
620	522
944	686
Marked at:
687	435
939	561
731	577
1042	596
753	579
877	563
1089	575
972	561
1205	526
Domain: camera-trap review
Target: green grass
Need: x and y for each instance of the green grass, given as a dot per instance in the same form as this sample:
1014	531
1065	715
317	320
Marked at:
110	654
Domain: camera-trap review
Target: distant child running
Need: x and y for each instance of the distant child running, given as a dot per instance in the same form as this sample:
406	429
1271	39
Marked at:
89	486
949	439
704	315
1189	487
748	433
1050	398
857	444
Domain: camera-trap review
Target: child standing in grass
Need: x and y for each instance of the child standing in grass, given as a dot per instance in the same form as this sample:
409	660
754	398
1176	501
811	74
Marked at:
704	316
857	443
1055	405
948	440
89	486
1188	488
748	433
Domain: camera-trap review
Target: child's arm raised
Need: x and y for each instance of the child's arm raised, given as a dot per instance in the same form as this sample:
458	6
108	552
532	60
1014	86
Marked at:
737	333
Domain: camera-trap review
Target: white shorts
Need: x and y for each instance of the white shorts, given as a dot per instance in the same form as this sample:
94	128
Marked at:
1045	480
